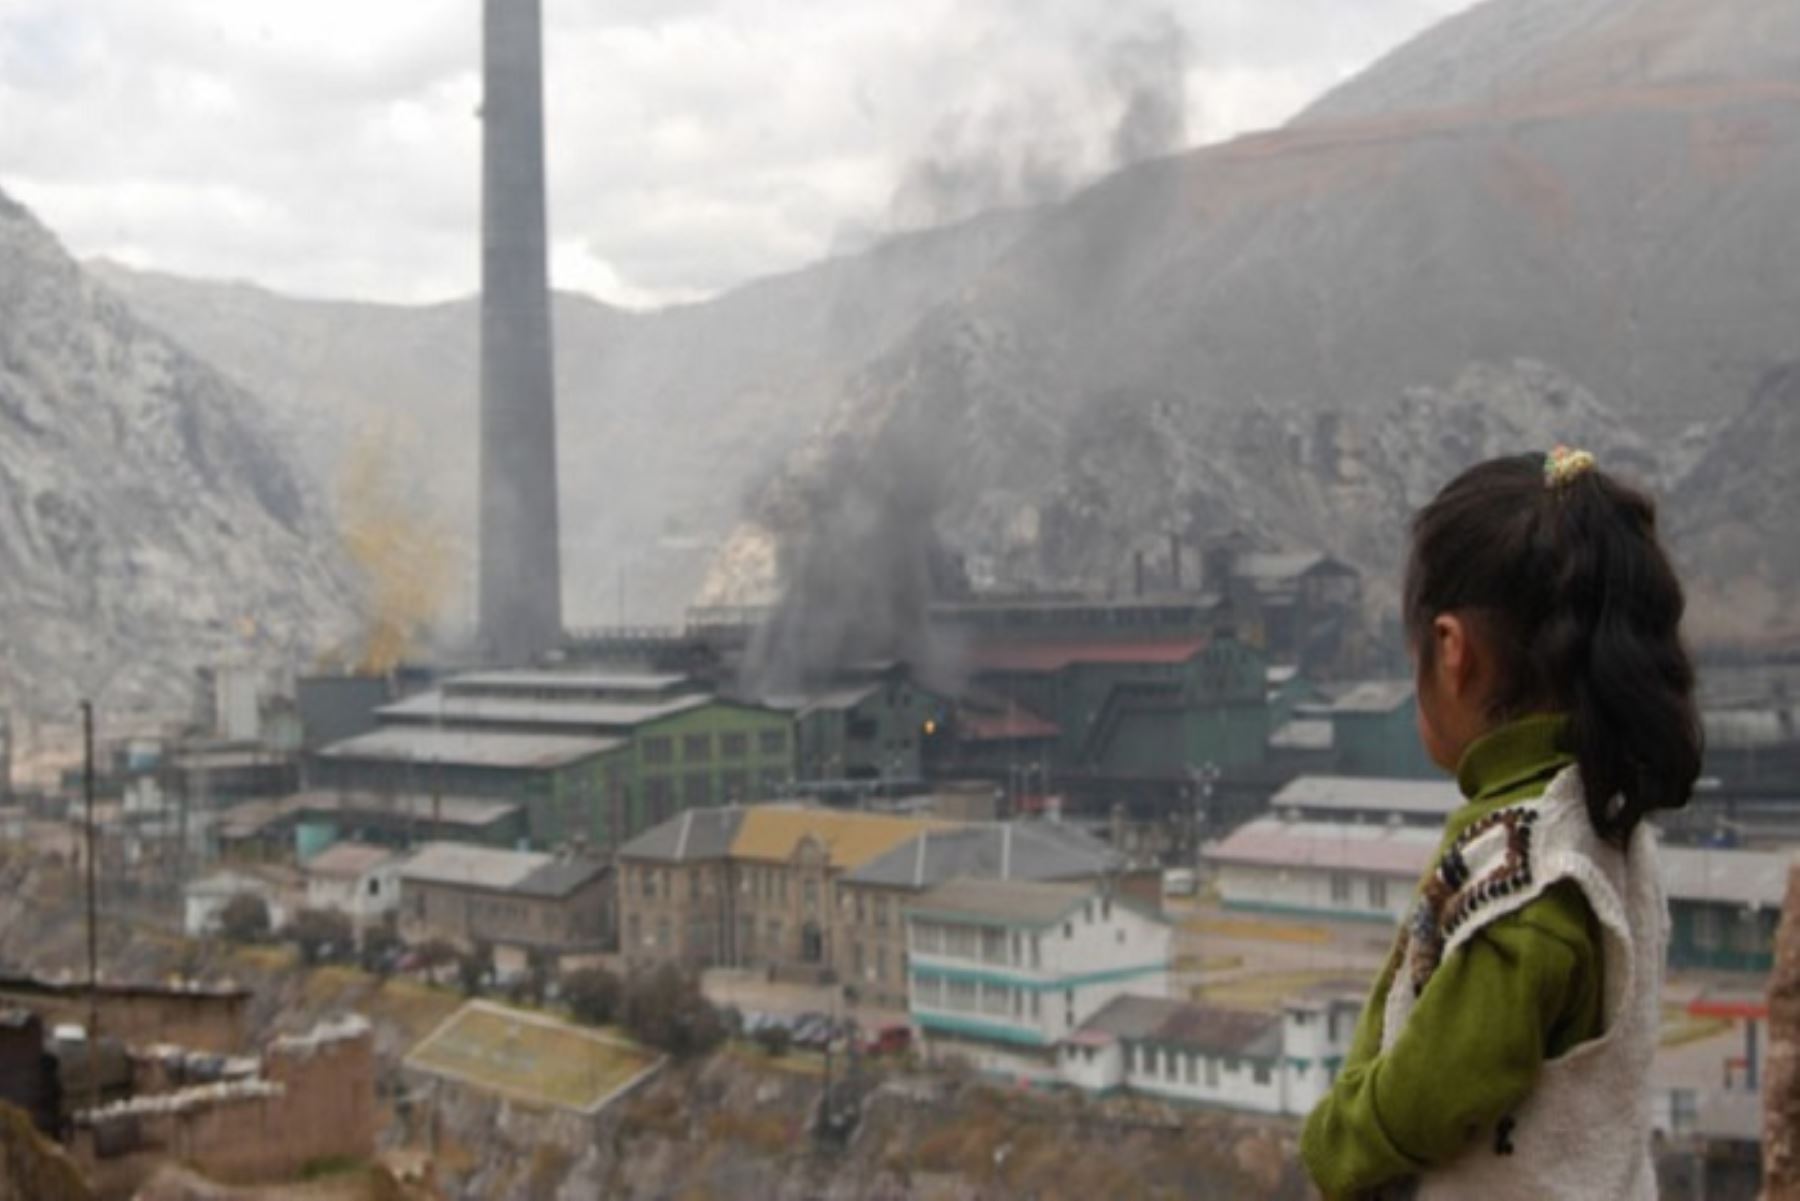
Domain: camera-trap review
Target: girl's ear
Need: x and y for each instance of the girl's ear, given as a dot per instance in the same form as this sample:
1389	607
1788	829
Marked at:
1454	656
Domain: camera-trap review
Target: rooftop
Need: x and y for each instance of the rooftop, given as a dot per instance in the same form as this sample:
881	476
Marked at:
347	860
243	820
1055	656
1304	734
1375	696
1757	879
1401	851
424	745
692	835
648	683
1013	725
1368	794
472	866
772	833
1280	565
560	878
1003	902
829	700
1019	850
1183	1024
596	715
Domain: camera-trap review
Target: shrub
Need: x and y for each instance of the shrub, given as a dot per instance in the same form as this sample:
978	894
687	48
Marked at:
593	995
322	935
245	918
775	1040
664	1008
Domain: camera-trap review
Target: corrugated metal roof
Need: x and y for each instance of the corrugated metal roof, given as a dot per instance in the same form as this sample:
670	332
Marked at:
470	748
570	681
1369	794
771	833
1279	566
1172	1023
1003	902
594	715
1403	851
1054	656
252	816
1727	875
1020	850
1375	696
347	860
834	700
471	866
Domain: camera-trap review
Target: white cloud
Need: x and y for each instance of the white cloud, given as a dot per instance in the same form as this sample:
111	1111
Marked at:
330	147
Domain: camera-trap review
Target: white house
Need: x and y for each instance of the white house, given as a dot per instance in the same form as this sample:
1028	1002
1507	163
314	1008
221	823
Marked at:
1002	971
356	879
1321	869
1258	1062
204	900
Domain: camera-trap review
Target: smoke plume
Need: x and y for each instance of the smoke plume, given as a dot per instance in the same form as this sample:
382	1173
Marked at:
1030	131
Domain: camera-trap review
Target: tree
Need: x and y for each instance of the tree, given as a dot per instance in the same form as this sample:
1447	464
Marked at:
593	995
322	935
380	948
775	1039
474	968
666	1009
245	918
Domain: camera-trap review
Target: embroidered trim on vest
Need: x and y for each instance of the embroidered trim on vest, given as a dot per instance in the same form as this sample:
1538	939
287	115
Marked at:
1466	879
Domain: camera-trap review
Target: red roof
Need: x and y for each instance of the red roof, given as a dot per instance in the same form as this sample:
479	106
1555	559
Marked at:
1001	727
1054	656
1736	1007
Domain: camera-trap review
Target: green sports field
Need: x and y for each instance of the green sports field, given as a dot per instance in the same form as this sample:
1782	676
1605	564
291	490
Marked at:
531	1058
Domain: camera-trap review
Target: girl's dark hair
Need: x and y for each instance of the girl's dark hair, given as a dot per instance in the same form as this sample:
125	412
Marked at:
1570	587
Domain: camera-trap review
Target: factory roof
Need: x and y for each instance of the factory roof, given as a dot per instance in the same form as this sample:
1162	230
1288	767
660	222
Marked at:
1403	851
1727	875
692	835
347	860
1055	656
251	817
1303	734
1368	794
1375	696
642	683
1019	850
609	715
472	866
1003	902
831	700
1183	1024
1744	728
560	878
470	748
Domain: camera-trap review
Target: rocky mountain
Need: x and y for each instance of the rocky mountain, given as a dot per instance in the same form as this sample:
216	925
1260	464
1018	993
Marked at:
668	421
1544	219
149	521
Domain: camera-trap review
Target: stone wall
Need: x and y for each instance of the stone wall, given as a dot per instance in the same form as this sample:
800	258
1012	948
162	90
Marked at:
139	1015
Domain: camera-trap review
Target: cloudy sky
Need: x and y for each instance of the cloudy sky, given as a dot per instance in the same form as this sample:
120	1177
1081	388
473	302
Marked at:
330	147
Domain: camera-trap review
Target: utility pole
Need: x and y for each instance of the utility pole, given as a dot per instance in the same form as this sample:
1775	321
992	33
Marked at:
93	947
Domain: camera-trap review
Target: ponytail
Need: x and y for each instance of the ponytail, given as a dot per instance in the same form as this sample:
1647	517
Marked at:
1565	571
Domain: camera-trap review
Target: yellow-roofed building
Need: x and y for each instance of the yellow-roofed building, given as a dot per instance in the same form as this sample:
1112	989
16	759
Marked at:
752	886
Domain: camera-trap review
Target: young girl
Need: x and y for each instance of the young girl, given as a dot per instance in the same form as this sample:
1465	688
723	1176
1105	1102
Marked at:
1505	1051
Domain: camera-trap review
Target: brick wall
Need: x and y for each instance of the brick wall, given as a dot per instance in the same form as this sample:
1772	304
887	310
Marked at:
205	1021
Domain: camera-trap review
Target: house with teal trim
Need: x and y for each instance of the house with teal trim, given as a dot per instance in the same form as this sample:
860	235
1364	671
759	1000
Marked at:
1274	1063
1000	972
1340	869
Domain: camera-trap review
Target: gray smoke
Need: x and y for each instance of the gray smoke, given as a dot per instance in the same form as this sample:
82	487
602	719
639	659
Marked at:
860	557
1037	142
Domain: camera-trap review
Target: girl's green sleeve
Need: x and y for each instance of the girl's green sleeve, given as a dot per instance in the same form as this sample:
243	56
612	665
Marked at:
1525	987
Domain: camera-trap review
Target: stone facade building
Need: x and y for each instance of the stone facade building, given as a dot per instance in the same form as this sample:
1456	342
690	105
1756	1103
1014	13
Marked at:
513	901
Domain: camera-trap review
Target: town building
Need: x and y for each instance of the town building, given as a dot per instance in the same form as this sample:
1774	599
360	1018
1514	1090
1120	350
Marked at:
1301	606
1367	799
204	900
1272	1063
28	1075
590	757
1321	869
1375	732
358	880
300	826
518	903
755	885
1724	906
872	723
1002	971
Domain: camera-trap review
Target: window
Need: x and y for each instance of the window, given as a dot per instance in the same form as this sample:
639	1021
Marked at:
696	790
1261	1073
1169	1058
657	796
662	934
734	746
1106	909
856	959
659	749
859	908
881	912
993	946
647	878
1340	888
772	742
694	885
881	963
1087	911
737	787
994	1000
1190	1064
927	937
1018	1002
635	935
1037	947
928	990
696	748
1068	929
809	891
1212	1072
1706	927
960	995
1016	957
1377	893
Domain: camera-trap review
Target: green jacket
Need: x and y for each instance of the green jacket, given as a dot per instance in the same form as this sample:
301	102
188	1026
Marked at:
1524	989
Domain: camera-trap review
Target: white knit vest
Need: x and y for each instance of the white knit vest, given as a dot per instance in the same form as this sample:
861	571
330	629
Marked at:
1584	1132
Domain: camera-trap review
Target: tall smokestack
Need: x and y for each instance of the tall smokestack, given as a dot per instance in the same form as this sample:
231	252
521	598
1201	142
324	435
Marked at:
521	571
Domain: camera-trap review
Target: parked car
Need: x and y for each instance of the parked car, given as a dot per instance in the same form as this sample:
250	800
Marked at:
892	1039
